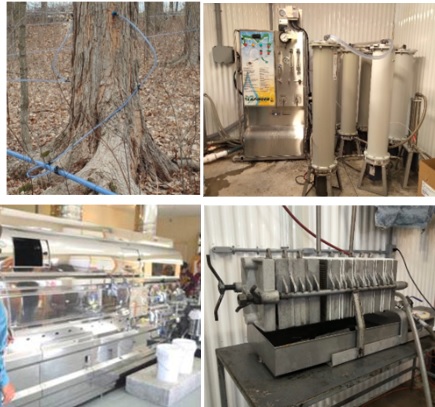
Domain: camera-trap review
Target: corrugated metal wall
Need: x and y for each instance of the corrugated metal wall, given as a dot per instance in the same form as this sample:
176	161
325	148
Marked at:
415	27
263	227
353	22
418	249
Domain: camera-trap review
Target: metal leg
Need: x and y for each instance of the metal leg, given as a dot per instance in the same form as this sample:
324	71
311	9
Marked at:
358	147
328	185
338	179
384	180
360	323
307	181
407	168
414	367
222	386
361	175
341	147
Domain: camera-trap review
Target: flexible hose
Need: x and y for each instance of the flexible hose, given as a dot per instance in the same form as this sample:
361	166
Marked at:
418	349
60	78
59	171
222	131
227	129
55	60
348	47
406	140
423	116
313	234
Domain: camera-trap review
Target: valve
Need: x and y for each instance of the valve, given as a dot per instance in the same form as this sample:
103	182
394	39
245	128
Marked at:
222	288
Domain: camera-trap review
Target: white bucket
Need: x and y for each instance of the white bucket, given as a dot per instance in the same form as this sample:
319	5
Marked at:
188	347
168	362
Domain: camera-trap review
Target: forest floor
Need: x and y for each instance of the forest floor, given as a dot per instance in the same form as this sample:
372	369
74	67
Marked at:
170	100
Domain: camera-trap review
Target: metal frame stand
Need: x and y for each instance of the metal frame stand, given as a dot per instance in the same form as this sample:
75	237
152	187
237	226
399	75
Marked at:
322	172
260	388
376	163
349	138
411	151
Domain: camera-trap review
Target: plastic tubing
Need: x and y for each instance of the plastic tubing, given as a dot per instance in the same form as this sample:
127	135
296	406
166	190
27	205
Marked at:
62	173
418	349
312	233
413	132
346	46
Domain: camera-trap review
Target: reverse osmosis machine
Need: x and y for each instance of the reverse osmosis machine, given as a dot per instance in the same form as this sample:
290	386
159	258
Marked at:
300	100
306	307
274	83
86	305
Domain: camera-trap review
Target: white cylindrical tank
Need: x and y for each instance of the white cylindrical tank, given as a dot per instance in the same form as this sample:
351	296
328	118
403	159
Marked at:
380	105
349	93
339	78
324	99
364	94
403	83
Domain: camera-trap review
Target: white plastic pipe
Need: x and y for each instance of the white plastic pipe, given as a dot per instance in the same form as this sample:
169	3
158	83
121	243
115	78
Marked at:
349	94
380	105
324	99
403	80
214	156
364	94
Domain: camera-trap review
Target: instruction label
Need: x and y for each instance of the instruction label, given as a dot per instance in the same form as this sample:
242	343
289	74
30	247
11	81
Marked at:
258	66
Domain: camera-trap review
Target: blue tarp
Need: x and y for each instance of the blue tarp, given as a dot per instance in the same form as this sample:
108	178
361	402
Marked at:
404	216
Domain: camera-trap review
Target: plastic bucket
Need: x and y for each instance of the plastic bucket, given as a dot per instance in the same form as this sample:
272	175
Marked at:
188	347
168	362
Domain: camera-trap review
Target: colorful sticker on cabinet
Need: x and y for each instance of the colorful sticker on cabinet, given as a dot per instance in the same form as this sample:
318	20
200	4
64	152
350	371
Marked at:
258	66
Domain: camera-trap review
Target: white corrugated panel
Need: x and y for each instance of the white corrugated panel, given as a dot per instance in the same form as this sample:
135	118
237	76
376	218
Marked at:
263	227
415	27
418	250
353	22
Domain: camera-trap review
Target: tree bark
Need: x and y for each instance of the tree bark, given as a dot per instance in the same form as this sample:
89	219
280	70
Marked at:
20	14
122	152
192	12
10	10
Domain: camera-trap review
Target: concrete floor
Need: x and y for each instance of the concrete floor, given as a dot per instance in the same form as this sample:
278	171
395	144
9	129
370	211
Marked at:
277	178
119	398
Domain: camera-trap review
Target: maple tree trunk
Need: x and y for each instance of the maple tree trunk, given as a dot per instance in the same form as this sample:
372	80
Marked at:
20	17
10	10
121	153
44	11
192	10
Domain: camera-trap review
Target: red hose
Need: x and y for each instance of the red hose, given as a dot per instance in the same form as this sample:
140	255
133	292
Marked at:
313	234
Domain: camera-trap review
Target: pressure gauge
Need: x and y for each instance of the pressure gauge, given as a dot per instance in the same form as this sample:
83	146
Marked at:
282	13
284	37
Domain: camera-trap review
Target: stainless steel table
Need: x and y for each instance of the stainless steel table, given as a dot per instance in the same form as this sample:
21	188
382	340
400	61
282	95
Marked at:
309	386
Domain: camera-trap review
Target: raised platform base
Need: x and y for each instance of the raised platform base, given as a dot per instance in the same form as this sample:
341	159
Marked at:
144	385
